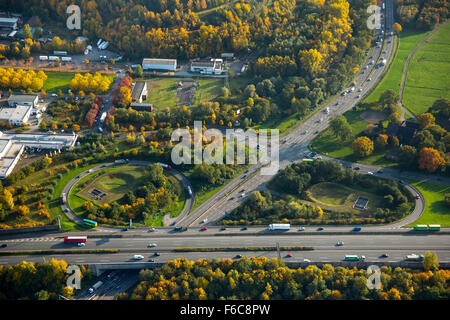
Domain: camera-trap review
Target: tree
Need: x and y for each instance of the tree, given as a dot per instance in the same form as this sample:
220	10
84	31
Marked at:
76	127
381	141
407	155
27	32
430	159
43	126
397	28
341	128
430	261
425	120
362	146
138	71
388	97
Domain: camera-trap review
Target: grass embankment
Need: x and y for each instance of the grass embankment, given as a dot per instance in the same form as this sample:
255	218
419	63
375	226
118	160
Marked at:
428	71
436	212
407	42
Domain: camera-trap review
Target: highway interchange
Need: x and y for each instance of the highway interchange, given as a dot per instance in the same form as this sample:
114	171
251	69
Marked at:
293	146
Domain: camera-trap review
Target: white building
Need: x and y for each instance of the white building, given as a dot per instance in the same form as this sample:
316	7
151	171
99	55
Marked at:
8	23
212	66
159	64
16	116
23	100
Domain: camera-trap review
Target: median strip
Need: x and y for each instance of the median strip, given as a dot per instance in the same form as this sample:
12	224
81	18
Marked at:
227	249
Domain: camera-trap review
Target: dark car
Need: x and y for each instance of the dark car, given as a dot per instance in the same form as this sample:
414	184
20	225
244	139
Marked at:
151	260
244	228
380	171
125	229
238	256
319	228
356	168
4	245
223	228
156	254
384	255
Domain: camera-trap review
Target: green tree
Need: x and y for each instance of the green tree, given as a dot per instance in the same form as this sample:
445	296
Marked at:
341	128
430	261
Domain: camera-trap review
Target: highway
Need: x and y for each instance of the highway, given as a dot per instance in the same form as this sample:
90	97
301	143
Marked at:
325	249
294	145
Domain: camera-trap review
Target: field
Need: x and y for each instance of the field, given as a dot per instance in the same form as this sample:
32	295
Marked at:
408	41
163	92
427	78
436	212
326	143
58	80
337	197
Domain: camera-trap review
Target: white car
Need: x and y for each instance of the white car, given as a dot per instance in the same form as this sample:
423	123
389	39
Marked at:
151	245
370	173
306	260
81	244
340	243
138	257
205	220
301	229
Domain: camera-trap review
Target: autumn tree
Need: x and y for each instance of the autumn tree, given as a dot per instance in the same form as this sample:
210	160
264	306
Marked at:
381	141
397	28
362	146
430	159
430	261
425	120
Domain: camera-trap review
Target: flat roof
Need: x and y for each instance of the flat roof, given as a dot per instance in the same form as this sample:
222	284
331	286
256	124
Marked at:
22	98
3	144
9	20
137	89
14	114
171	62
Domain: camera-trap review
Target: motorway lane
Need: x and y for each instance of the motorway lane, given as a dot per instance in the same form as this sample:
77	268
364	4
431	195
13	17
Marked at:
292	146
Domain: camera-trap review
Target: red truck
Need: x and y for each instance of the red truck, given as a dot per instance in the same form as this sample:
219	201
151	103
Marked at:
77	239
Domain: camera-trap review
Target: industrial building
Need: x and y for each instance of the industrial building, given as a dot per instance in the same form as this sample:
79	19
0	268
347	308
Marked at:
212	66
141	106
17	115
139	92
12	146
159	64
23	100
8	23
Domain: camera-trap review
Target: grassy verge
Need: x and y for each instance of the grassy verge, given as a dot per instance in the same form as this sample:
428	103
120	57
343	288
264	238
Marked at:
52	252
436	212
227	249
428	71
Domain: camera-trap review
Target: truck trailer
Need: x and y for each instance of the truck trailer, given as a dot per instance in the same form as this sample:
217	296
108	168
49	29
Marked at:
279	226
95	286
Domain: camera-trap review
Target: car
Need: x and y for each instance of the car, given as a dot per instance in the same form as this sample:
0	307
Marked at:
301	229
151	229
124	229
384	255
305	132
316	132
138	257
242	194
4	245
151	245
360	90
243	228
380	171
417	196
370	79
118	287
289	255
319	157
151	260
204	229
223	229
319	228
356	168
358	96
306	260
370	173
66	210
400	181
205	220
340	243
363	258
336	104
81	244
156	254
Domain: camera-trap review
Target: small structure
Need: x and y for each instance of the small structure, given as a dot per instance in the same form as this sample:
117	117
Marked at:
139	92
212	66
8	23
141	106
361	203
159	64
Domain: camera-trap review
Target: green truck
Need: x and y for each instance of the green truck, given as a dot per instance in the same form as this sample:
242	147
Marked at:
430	227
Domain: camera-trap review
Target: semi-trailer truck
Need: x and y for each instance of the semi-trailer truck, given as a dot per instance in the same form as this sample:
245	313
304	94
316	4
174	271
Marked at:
279	226
167	166
76	239
95	286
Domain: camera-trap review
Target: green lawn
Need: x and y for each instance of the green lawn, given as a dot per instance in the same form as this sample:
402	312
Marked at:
326	143
436	212
408	41
428	72
58	80
162	93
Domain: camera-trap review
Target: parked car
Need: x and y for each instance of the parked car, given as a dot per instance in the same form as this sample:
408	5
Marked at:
417	196
306	260
156	254
223	228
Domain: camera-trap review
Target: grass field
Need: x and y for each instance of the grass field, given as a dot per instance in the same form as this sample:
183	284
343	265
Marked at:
58	80
436	212
408	41
326	143
427	78
342	198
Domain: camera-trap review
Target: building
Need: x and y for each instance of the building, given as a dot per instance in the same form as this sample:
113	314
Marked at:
23	100
8	23
159	64
212	66
227	56
141	106
16	116
404	132
139	92
12	146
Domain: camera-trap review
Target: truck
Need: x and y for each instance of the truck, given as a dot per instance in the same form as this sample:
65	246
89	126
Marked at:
434	227
420	227
66	59
189	191
105	45
60	53
350	257
99	41
75	239
95	286
414	257
43	58
121	161
327	110
279	226
53	58
167	166
103	117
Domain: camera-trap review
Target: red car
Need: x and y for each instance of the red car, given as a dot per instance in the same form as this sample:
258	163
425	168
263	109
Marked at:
417	196
204	229
289	255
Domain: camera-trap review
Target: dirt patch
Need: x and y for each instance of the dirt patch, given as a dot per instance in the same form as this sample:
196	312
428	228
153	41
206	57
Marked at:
373	116
186	92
